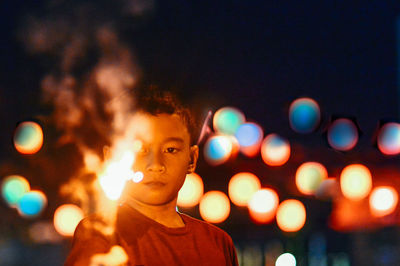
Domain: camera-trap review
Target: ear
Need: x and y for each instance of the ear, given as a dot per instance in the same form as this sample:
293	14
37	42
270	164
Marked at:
194	155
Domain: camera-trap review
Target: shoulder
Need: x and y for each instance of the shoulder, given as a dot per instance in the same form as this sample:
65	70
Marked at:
200	226
90	238
92	226
210	233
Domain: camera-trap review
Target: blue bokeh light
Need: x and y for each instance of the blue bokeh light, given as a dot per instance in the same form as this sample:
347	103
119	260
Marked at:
218	149
342	134
32	204
304	115
389	139
249	134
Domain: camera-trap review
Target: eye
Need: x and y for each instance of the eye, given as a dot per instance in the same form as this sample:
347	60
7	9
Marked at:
171	150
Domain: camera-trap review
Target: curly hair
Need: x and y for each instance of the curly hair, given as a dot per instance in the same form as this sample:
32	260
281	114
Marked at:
154	101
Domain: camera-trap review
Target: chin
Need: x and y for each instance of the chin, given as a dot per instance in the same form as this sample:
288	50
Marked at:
156	201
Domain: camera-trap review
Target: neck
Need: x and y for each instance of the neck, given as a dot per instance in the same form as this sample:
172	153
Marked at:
164	214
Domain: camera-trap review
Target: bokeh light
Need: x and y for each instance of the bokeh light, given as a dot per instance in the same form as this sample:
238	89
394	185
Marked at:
383	200
355	181
43	232
249	136
66	219
291	215
218	149
275	150
32	204
191	192
328	189
263	205
286	259
13	189
389	139
28	137
242	186
342	134
214	207
309	177
227	120
304	115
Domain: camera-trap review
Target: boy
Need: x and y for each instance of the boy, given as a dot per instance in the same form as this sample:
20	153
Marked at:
148	227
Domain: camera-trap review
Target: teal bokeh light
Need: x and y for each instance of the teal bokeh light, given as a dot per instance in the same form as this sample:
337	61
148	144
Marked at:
227	120
13	189
28	137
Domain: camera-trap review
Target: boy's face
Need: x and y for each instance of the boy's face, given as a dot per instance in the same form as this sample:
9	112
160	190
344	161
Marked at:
164	159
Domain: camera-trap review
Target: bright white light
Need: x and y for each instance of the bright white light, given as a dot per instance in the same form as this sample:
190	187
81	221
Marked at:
286	259
137	177
116	173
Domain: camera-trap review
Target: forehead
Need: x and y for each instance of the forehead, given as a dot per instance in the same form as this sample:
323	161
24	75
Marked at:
158	128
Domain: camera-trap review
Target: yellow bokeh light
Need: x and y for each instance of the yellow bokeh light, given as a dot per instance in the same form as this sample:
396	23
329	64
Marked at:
355	181
383	200
309	176
291	215
66	218
263	205
191	192
242	186
214	207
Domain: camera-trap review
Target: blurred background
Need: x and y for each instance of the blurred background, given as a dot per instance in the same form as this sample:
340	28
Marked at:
300	108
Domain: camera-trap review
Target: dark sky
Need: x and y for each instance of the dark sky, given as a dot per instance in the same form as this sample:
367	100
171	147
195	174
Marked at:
256	55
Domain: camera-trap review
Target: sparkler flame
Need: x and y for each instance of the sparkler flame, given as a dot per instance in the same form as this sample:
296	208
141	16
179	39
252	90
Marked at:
116	173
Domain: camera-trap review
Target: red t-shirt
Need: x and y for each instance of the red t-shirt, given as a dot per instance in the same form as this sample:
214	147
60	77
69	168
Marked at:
150	243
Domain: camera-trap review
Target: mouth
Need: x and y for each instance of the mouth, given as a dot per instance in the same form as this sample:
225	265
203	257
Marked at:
154	184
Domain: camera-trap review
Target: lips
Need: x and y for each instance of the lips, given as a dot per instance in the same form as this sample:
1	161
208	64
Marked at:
154	184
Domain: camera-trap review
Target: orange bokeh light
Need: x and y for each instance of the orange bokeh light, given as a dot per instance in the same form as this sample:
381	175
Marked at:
355	181
214	207
263	205
275	151
383	200
66	218
309	176
192	190
242	186
291	215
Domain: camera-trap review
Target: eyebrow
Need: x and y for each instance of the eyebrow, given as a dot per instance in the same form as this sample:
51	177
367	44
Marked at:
174	139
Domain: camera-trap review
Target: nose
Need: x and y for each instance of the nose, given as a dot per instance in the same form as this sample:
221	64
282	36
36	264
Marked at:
155	162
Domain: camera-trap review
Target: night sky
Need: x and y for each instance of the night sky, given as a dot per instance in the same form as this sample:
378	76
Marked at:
258	56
